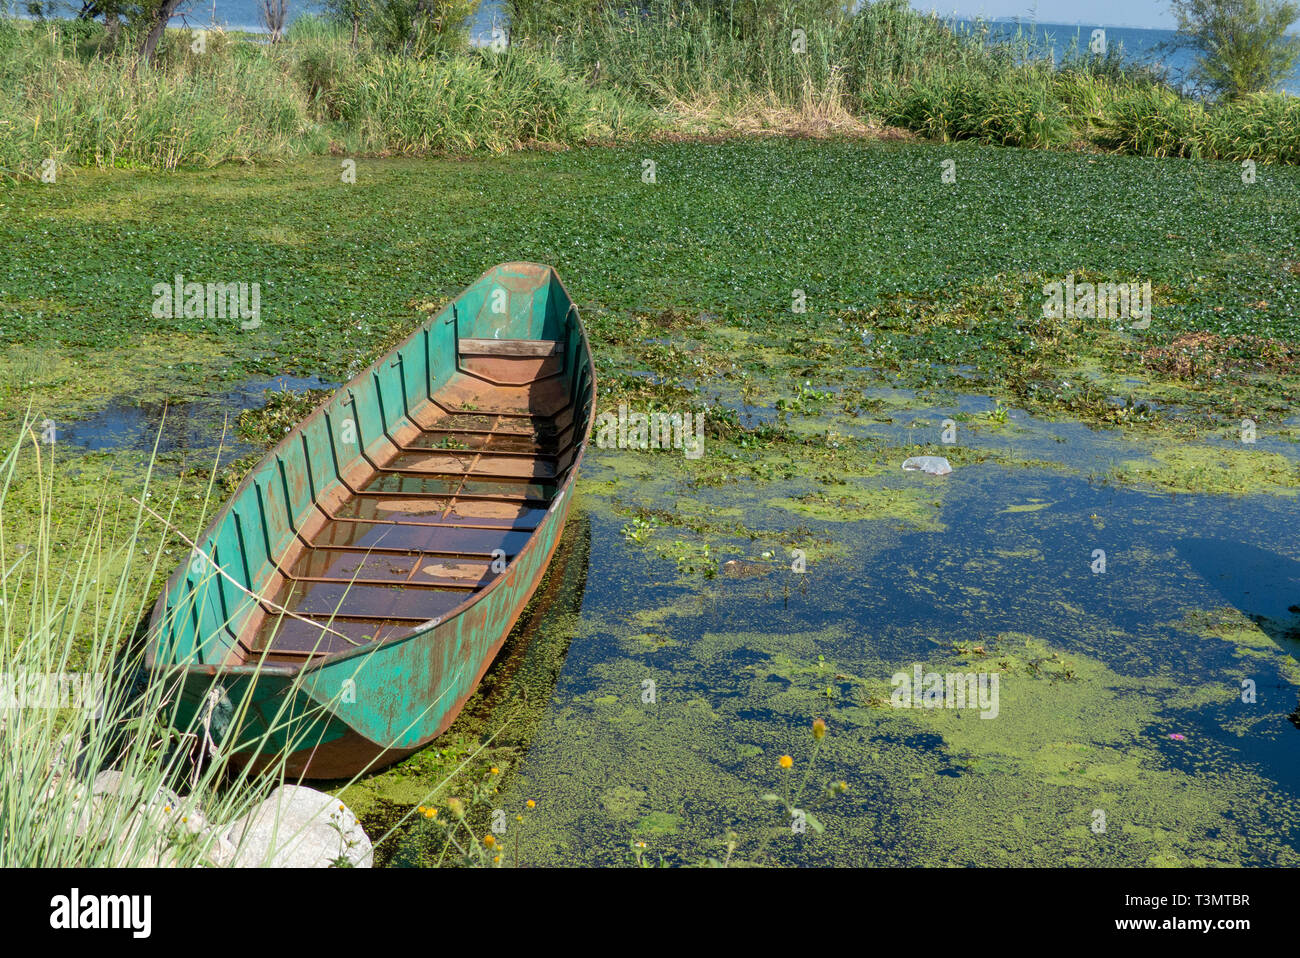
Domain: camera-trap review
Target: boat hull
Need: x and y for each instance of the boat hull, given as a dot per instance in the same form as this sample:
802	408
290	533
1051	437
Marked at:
325	745
349	706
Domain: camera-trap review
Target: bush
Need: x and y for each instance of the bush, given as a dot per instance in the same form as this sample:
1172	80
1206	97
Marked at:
1242	46
1262	126
1150	121
482	100
1011	111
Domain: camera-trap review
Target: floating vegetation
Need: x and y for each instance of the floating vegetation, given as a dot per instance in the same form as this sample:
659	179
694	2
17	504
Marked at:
1218	469
793	570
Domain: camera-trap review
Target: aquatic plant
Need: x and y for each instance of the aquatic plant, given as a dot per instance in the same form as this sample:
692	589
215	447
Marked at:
790	797
456	834
639	529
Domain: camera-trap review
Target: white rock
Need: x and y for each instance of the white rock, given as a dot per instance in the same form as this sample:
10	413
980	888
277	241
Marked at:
111	782
66	752
72	799
147	825
298	827
191	818
221	852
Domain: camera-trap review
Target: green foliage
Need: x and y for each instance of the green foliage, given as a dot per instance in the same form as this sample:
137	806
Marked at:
283	410
1152	121
10	37
1242	45
482	101
320	63
1011	111
418	27
71	91
316	27
188	110
1261	126
544	19
410	27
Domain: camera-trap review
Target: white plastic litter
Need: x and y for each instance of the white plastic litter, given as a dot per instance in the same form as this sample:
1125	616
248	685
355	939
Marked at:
934	465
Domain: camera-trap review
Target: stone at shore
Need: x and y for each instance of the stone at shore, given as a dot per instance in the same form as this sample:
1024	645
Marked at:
299	827
146	824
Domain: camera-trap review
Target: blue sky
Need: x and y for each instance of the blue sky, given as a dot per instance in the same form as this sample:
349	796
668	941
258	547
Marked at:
1117	13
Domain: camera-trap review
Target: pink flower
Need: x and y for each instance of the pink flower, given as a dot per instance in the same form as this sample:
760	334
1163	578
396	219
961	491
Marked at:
1178	736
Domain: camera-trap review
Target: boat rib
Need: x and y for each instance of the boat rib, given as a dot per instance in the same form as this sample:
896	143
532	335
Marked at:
455	496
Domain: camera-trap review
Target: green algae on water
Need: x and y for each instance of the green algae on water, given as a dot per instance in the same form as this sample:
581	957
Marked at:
1219	469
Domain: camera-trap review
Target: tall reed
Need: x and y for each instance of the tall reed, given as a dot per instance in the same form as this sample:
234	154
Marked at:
76	583
593	70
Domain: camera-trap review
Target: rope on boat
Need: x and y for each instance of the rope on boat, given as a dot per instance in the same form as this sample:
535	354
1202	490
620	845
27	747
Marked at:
210	703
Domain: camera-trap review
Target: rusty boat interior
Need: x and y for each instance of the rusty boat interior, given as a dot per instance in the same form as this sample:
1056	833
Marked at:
402	497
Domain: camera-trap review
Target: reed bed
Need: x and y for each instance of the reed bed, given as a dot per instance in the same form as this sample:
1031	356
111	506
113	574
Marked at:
583	71
483	101
76	586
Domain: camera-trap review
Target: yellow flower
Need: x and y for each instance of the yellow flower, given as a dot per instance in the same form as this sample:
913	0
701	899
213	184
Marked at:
531	803
496	860
489	840
495	771
640	845
519	818
819	729
785	761
430	812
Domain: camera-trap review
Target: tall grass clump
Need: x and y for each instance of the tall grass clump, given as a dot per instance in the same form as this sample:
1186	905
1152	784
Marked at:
1012	110
807	57
76	703
703	64
887	46
481	101
408	27
315	26
1261	126
231	103
57	619
1149	121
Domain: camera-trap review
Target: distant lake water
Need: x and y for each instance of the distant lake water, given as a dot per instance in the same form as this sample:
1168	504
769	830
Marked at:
243	15
1139	44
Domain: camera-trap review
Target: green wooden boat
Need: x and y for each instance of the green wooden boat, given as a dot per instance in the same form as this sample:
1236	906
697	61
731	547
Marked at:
345	603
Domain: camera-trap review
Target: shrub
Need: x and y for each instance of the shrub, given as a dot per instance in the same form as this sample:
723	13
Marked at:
1011	111
1262	126
1151	121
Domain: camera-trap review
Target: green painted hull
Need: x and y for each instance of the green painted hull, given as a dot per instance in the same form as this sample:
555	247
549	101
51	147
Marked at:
366	705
